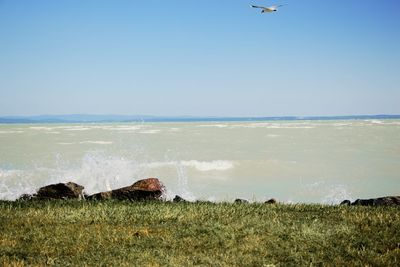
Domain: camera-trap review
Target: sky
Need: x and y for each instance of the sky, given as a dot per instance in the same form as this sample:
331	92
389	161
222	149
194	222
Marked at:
199	58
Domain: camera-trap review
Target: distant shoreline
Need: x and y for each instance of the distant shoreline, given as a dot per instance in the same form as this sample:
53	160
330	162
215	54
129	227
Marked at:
138	118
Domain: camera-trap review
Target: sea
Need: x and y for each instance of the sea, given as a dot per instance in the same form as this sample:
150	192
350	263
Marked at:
293	161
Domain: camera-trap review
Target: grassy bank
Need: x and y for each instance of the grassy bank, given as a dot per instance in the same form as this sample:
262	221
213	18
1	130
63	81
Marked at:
205	234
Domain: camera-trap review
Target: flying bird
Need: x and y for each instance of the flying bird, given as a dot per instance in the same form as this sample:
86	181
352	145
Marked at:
267	9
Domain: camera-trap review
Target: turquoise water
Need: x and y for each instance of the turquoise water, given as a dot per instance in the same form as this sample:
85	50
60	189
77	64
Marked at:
293	161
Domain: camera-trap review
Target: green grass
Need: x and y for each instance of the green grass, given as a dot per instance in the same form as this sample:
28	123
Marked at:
71	233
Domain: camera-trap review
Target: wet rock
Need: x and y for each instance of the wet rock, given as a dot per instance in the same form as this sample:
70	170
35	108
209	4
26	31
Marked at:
101	196
179	199
345	202
146	189
271	201
58	191
25	197
382	201
239	200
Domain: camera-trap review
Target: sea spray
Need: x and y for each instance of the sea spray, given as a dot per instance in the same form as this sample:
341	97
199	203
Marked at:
99	172
183	188
330	193
14	183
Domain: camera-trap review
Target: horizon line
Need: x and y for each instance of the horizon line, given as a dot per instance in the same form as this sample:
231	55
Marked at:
190	116
91	118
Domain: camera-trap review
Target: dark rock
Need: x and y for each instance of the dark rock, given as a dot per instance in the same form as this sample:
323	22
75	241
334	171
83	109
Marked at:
60	191
382	201
25	197
101	196
146	189
239	200
346	202
271	201
179	199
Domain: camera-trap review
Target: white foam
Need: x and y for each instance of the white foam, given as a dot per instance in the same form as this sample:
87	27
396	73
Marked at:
96	142
10	132
215	165
150	131
14	183
214	125
41	128
203	166
174	130
342	124
124	128
274	125
376	121
8	173
77	128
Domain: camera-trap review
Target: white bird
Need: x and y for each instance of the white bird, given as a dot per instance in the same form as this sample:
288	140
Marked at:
267	9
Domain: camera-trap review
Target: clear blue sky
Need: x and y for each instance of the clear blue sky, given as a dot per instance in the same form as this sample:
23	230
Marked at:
205	57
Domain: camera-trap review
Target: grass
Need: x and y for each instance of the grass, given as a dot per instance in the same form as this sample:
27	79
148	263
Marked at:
72	233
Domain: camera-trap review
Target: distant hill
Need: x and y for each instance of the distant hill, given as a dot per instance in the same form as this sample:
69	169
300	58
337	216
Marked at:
87	118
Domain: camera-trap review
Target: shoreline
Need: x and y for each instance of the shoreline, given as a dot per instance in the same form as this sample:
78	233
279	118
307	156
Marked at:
152	189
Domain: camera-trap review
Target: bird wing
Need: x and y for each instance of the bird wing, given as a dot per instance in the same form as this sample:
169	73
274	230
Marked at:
258	7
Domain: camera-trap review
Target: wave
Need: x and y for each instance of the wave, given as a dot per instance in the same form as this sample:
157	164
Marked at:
215	165
77	128
100	172
87	142
376	121
10	132
41	128
203	166
97	142
342	124
174	129
214	125
150	131
279	125
124	128
266	125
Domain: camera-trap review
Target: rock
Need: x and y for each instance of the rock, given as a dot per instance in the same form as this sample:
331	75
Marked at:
101	196
60	191
382	201
345	202
271	201
25	197
146	189
179	199
239	200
